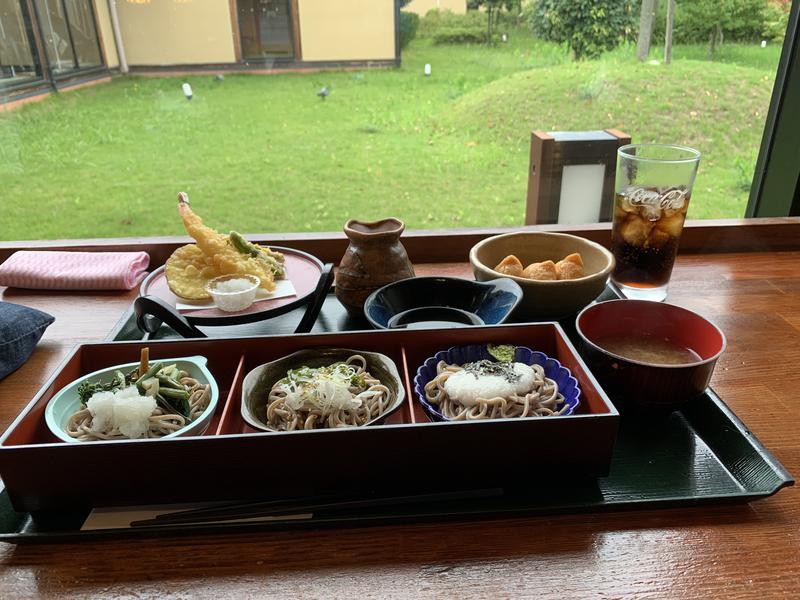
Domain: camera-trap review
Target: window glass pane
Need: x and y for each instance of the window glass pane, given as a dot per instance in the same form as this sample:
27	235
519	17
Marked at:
17	63
265	28
84	35
301	114
56	35
70	35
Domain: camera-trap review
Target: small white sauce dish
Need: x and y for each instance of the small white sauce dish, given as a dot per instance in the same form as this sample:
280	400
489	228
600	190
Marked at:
233	293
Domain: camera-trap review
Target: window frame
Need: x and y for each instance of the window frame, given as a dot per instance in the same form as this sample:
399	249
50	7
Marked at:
294	39
98	43
33	43
775	190
78	70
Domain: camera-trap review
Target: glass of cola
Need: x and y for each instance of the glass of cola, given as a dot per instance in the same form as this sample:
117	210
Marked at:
653	189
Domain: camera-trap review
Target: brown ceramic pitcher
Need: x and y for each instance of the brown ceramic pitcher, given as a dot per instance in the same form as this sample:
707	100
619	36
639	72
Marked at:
374	258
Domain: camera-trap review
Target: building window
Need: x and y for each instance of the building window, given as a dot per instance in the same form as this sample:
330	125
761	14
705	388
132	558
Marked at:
266	29
84	33
70	35
19	63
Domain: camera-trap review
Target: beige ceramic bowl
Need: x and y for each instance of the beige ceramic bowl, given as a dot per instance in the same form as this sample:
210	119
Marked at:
545	299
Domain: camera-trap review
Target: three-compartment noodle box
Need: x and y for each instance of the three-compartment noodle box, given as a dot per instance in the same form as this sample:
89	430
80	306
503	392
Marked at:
233	461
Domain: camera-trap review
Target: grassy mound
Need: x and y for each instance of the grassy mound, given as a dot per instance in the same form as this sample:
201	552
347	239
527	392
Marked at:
261	154
716	108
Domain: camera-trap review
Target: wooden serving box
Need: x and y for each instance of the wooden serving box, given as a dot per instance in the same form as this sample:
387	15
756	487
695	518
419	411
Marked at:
232	461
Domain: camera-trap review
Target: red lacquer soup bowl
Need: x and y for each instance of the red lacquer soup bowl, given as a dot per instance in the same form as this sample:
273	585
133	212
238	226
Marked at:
649	383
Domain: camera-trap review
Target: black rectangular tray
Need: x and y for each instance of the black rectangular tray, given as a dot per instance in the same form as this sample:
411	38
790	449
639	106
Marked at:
701	454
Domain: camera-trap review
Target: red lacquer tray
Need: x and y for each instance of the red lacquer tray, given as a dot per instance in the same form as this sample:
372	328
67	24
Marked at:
232	461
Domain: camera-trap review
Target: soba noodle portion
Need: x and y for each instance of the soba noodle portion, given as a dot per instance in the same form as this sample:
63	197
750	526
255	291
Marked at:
493	390
343	394
123	413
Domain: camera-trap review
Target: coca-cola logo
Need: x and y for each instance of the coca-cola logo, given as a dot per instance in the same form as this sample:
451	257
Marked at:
671	200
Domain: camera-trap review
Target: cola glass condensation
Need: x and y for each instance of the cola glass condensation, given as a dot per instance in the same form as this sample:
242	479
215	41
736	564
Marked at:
653	189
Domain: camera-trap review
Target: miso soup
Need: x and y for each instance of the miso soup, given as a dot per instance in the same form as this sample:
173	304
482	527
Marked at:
648	349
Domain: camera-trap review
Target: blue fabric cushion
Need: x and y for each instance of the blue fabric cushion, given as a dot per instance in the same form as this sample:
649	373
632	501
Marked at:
20	330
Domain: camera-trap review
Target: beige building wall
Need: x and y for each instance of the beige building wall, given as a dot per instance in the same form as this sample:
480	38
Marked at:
172	32
421	7
106	33
347	29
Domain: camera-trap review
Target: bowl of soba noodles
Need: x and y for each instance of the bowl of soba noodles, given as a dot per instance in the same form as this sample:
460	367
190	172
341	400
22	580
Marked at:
487	381
322	388
148	399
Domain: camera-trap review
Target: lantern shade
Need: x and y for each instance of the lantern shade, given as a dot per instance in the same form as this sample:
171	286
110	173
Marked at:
571	176
581	194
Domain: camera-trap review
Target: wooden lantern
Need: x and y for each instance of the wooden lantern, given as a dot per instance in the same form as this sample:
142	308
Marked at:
571	176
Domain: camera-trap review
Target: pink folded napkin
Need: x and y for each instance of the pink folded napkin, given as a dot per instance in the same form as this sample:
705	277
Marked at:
59	270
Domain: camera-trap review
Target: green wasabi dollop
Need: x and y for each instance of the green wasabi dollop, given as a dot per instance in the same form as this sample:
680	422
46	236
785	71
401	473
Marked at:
502	352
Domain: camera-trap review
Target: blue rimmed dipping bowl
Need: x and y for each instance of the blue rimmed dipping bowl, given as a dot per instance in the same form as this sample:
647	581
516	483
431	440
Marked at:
459	355
421	302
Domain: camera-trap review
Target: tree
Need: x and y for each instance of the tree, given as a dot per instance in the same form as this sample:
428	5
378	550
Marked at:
493	10
715	20
668	31
588	27
646	19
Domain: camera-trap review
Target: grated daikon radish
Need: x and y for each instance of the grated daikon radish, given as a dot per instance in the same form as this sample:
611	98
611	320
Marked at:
124	410
468	385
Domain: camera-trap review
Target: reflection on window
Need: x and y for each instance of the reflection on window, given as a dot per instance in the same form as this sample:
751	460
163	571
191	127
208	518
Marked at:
84	36
265	28
17	61
56	35
70	37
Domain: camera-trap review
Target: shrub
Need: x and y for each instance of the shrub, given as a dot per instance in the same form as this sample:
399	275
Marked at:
495	10
701	21
436	21
510	20
409	24
460	35
588	27
736	19
446	27
776	19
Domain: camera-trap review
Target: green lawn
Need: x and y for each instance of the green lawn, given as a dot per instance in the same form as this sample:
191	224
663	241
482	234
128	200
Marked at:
264	153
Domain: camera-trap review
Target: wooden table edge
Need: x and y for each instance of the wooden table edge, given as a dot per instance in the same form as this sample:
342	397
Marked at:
770	234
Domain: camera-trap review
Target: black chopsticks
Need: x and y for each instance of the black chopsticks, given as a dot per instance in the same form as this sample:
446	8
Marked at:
277	508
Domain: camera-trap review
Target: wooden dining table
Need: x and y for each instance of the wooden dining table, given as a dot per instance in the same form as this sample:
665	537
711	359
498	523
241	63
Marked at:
742	274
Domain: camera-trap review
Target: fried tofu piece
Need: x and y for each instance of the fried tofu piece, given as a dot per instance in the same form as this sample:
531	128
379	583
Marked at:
510	265
541	271
570	267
